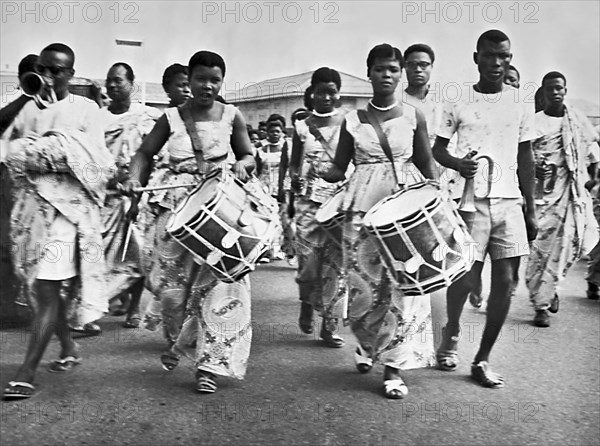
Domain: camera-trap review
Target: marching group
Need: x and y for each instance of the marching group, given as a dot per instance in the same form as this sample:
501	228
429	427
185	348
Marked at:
360	157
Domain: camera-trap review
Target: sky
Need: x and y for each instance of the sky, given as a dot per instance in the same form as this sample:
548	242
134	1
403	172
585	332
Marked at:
268	39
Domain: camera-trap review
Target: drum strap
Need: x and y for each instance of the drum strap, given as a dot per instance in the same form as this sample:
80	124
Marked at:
186	116
314	131
366	117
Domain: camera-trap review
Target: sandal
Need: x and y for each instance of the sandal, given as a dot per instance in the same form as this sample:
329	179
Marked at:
447	354
395	389
363	363
18	390
132	321
89	329
64	364
169	360
482	373
205	382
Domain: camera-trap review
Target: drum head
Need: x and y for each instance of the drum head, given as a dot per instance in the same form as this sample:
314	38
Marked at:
405	204
329	209
190	206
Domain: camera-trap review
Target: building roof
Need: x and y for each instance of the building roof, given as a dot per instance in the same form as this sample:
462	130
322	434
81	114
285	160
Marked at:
294	85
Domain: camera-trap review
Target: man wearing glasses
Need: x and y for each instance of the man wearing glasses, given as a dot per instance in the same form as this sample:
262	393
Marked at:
60	164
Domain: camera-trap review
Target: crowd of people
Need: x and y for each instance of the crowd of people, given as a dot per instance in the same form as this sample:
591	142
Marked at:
347	162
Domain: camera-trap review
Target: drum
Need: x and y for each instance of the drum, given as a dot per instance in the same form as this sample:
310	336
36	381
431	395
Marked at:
224	225
421	237
330	217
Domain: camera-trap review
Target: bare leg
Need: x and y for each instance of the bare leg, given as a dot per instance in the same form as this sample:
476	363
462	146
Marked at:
456	297
503	285
134	318
44	325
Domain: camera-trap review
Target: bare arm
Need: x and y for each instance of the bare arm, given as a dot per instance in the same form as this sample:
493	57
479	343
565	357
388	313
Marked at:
242	148
422	156
343	155
143	160
526	175
466	166
10	112
296	157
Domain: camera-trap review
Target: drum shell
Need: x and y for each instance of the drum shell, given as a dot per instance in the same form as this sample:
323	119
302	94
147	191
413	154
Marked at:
437	226
229	209
330	218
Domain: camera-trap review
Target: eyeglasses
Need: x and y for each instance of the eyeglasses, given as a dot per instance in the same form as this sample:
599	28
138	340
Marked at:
54	70
421	65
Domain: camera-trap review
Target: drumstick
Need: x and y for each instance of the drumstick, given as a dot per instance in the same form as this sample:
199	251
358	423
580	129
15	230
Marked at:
153	188
127	239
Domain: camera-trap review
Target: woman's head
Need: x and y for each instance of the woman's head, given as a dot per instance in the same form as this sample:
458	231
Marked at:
206	73
325	88
384	68
119	82
176	84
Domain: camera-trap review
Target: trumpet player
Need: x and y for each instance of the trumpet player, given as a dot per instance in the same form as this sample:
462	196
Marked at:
491	119
566	160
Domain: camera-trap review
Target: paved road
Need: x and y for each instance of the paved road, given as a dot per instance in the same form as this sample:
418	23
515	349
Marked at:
299	392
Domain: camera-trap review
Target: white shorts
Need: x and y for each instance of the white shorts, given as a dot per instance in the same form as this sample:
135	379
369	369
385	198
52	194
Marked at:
58	256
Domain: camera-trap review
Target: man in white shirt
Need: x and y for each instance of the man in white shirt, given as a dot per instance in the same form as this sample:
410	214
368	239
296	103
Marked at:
491	119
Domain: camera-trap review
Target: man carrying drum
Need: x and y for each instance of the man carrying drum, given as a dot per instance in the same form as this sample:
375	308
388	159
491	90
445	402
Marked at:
492	119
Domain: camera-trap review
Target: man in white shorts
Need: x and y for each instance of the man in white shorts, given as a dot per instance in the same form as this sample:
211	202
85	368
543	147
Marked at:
490	119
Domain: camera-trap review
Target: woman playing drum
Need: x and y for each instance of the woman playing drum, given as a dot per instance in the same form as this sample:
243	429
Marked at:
205	319
314	143
391	328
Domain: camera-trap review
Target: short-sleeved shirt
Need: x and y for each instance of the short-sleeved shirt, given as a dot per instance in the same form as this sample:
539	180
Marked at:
493	125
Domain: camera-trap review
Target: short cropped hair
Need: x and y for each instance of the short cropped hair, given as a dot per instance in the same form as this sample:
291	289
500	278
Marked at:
493	35
170	72
384	51
206	59
27	64
420	48
128	70
326	74
554	75
62	48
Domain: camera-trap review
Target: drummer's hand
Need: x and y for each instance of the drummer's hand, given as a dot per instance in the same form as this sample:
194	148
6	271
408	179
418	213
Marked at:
281	196
291	210
589	184
239	170
133	210
542	172
298	184
129	188
467	167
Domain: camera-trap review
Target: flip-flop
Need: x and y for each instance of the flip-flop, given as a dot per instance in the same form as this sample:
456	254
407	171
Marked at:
64	364
395	389
12	392
482	373
169	361
363	363
447	354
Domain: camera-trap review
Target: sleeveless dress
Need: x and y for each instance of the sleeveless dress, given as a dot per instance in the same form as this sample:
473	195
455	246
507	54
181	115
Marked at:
319	275
196	305
392	328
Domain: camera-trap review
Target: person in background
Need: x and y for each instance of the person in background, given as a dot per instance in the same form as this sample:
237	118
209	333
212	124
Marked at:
319	275
566	157
513	77
126	124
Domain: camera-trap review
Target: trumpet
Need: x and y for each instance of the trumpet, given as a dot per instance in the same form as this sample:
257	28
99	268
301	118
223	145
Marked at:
466	205
33	85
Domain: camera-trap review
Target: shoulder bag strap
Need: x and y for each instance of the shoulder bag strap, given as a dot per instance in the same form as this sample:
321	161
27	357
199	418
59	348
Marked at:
186	116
